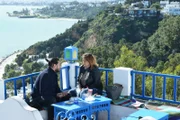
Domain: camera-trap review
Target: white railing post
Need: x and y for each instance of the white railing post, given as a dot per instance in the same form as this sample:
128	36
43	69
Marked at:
72	80
122	76
2	96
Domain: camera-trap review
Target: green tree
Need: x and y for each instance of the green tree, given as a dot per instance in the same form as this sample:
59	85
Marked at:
118	9
165	40
12	73
129	59
141	48
20	58
171	65
156	6
36	67
27	68
177	70
7	68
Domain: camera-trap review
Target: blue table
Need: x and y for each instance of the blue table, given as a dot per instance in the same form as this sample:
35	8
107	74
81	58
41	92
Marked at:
81	108
99	104
146	112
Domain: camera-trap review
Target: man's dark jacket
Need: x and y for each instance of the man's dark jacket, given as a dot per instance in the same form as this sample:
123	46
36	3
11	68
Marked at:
46	85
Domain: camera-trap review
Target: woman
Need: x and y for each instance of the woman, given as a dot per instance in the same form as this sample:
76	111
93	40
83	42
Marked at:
89	76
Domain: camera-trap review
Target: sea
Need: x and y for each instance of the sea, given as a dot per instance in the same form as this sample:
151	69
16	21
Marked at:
20	33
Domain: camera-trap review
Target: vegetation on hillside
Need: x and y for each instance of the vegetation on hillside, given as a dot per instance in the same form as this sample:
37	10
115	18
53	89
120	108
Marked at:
111	28
77	10
73	10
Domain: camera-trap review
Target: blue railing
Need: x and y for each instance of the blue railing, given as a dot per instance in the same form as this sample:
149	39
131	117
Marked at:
32	77
106	70
139	78
22	78
158	81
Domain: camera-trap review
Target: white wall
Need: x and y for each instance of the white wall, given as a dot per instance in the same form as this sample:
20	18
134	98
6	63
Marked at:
15	108
1	101
2	90
122	76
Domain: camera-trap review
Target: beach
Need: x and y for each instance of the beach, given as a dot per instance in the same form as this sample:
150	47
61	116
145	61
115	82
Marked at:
7	60
65	19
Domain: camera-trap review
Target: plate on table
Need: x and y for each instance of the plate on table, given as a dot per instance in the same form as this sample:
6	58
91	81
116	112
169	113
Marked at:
97	96
89	99
68	102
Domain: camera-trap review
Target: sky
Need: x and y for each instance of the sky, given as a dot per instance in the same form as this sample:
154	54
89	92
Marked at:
27	1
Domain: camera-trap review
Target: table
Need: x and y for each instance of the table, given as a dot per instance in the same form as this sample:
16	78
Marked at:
99	104
81	108
84	107
145	112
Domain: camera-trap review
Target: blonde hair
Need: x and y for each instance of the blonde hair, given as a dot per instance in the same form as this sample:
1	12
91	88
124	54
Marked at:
90	58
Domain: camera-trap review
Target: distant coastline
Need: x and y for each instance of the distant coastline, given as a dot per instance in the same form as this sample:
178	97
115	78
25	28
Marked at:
4	58
66	19
43	17
7	60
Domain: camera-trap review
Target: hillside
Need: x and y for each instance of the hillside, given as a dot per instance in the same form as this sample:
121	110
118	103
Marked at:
153	39
105	29
111	28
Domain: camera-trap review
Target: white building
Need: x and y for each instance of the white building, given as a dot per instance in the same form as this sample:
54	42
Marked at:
42	61
145	3
163	3
121	2
172	9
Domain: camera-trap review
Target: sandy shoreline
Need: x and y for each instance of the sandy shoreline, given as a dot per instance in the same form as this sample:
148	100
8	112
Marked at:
56	18
66	19
8	60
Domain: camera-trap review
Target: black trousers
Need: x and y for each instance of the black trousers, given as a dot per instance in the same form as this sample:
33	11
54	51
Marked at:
41	103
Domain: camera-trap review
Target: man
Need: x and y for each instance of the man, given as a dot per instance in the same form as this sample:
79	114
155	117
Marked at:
46	90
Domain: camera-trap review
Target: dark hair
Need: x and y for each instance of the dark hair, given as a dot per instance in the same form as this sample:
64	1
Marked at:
52	61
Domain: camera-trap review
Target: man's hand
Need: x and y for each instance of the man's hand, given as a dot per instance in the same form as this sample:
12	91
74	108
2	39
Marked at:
62	94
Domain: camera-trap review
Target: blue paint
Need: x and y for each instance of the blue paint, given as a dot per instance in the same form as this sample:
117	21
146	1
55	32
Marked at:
154	76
